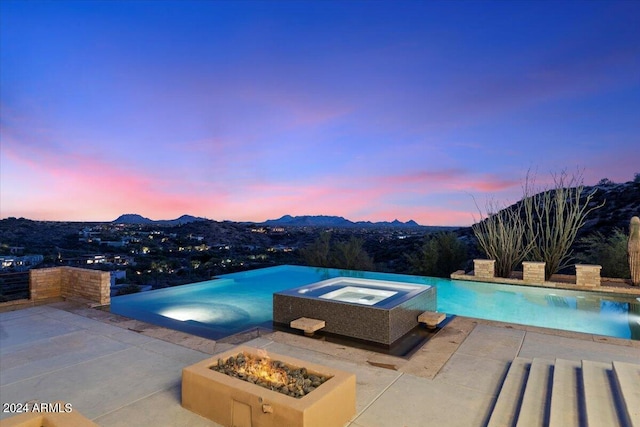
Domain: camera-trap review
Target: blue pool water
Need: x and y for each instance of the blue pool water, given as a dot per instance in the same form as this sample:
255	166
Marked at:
241	301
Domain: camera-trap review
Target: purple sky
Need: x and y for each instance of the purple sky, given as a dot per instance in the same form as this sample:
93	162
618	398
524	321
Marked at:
371	110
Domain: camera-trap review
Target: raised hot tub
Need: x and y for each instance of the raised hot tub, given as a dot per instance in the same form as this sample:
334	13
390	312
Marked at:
377	311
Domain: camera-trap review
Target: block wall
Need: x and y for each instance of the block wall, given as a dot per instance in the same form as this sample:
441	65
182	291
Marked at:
91	285
44	283
70	282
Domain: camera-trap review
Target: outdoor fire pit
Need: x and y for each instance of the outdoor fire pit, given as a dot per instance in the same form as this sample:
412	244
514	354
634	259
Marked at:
244	387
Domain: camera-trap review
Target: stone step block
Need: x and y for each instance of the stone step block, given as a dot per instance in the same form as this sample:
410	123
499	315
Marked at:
536	400
600	400
628	377
566	394
507	407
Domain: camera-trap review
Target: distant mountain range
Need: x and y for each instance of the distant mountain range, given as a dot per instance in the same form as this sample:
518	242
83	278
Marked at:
334	221
139	219
286	220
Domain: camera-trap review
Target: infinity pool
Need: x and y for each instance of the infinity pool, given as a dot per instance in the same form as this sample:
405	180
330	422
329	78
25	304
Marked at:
238	302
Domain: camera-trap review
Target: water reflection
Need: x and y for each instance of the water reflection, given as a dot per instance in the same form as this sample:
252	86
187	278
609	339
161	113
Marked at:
634	319
590	312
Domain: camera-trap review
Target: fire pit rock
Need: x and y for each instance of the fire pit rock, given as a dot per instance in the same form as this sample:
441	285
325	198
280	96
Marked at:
272	374
234	390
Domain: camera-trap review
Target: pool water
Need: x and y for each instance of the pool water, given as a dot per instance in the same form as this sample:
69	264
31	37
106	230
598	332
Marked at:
242	301
357	295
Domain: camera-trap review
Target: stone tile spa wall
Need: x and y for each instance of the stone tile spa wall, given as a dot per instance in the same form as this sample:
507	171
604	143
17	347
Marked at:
369	323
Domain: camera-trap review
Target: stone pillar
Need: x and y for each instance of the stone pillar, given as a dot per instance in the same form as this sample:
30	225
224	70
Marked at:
588	275
484	268
44	283
533	272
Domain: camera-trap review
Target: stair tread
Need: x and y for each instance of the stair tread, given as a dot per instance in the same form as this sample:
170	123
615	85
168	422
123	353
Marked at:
628	376
565	394
539	392
600	403
507	404
533	412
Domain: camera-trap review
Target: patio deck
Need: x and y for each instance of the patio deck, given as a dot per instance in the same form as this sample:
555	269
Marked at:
122	372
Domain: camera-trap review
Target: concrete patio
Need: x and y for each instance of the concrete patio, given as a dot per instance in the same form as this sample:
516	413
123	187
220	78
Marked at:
122	372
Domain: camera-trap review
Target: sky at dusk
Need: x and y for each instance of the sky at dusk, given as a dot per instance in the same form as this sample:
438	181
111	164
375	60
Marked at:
370	110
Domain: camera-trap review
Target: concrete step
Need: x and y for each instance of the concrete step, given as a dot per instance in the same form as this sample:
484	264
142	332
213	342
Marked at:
534	411
599	397
507	407
628	377
566	394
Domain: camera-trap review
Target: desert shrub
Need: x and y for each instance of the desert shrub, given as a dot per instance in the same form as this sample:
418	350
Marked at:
316	254
439	256
610	252
326	252
351	255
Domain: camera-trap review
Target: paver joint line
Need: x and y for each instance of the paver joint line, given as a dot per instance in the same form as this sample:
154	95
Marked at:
378	396
68	366
521	343
129	403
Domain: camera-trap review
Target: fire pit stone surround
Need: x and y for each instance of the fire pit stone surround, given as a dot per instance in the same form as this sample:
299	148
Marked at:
234	402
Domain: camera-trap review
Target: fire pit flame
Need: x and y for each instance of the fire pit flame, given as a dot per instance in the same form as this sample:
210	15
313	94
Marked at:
274	375
263	369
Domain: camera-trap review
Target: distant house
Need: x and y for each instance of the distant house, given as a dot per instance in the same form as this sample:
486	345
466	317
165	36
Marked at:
20	263
280	248
84	260
115	243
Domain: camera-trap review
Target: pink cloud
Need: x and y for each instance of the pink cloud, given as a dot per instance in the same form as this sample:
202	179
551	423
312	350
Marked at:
401	196
488	183
303	199
81	186
86	188
449	180
90	188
